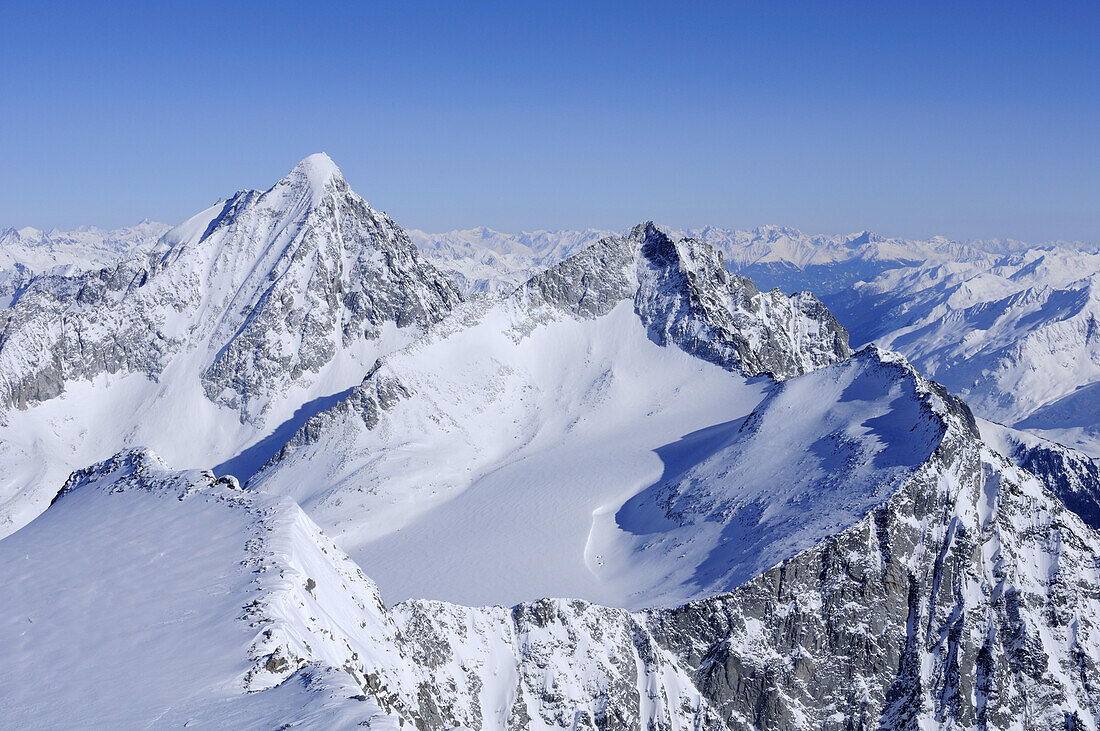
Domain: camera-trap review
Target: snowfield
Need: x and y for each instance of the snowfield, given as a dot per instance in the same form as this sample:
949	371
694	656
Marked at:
215	439
482	485
1008	325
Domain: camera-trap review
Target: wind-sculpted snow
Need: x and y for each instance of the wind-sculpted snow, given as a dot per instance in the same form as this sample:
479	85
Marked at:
906	573
248	313
568	388
968	600
816	456
149	597
753	528
968	597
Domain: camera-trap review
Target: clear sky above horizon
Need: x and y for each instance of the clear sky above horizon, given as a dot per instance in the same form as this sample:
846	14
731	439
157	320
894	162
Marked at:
966	120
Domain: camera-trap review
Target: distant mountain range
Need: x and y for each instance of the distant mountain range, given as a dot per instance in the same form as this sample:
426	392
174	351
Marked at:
211	436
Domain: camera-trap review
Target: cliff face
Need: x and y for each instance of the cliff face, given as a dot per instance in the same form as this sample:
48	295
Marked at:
685	297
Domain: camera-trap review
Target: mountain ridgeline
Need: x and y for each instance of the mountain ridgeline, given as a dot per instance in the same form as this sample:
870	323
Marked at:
214	440
269	285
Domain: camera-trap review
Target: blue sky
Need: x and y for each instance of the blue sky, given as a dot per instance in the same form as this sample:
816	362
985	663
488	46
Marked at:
968	120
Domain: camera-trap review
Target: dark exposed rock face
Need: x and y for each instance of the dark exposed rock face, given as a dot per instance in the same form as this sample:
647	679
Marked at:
687	297
969	597
684	295
1069	474
568	664
590	283
930	610
65	328
347	272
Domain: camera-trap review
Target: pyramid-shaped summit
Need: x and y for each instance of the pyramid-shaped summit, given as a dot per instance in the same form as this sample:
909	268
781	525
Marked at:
313	175
260	304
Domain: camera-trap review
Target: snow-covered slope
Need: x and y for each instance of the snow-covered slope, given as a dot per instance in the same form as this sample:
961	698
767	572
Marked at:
1016	335
28	251
1005	323
813	459
256	313
968	597
503	432
150	598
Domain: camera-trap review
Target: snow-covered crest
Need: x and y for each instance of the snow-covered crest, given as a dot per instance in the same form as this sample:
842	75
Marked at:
253	309
819	541
968	596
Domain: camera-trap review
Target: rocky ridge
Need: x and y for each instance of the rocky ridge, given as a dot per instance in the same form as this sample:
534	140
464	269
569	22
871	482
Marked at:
968	598
684	295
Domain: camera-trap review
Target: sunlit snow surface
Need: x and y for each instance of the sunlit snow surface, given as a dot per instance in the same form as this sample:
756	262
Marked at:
1010	326
583	460
485	485
738	498
141	603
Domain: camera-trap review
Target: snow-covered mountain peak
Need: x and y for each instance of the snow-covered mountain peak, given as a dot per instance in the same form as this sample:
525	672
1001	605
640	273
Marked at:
644	230
314	173
244	313
686	296
863	238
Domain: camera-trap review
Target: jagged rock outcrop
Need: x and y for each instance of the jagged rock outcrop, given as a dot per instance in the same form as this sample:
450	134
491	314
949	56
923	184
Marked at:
688	298
685	296
680	291
1071	475
553	663
834	546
